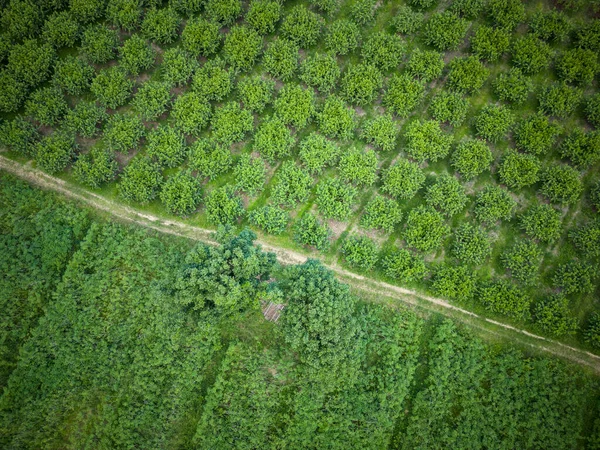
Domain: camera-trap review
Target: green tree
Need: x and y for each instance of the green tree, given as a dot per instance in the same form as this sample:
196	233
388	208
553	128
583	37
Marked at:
536	134
223	11
402	266
21	19
99	43
209	159
19	135
250	174
335	198
493	122
177	67
187	7
426	65
111	87
123	132
447	195
503	297
404	94
181	193
550	25
425	229
263	15
454	282
561	184
506	13
471	244
309	231
403	179
471	158
587	35
72	75
449	107
467	74
383	50
96	167
316	152
523	260
361	83
136	55
342	37
161	25
490	43
200	37
87	11
553	315
242	47
363	11
223	206
302	26
320	71
581	148
445	31
54	152
191	113
492	204
295	105
166	145
152	99
381	132
425	140
84	119
577	65
281	59
592	331
230	123
586	238
542	222
30	62
407	21
518	170
61	30
595	195
336	120
359	166
125	14
273	139
381	213
292	186
530	54
46	106
360	252
327	6
592	110
255	92
559	99
213	81
270	219
513	86
575	277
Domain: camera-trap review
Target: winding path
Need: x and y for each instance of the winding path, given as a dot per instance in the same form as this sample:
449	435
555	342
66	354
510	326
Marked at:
286	256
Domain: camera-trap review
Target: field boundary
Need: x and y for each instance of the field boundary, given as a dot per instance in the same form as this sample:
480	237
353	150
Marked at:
286	256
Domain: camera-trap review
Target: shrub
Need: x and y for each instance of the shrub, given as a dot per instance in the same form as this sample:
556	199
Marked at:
181	194
335	198
295	105
302	26
407	21
191	113
513	86
249	174
96	167
425	229
99	44
309	231
493	204
523	260
263	15
161	25
85	118
542	222
550	26
467	8
445	31
255	92
381	132
561	184
449	107
223	11
595	196
575	277
152	99
281	59
490	43
123	132
359	166
422	4
577	66
402	266
273	139
425	140
87	11
46	106
536	134
21	19
72	75
30	62
403	179
592	110
343	37
530	54
583	149
200	37
454	282
471	158
493	122
587	36
506	13
242	47
125	14
19	135
212	81
270	219
136	55
292	186
403	95
467	74
586	238
518	170
381	213
426	65
111	87
320	71
230	123
471	244
209	159
447	195
61	30
504	298
166	145
361	83
177	66
383	50
592	331
223	207
336	120
559	100
316	152
360	252
553	315
363	11
327	6
53	153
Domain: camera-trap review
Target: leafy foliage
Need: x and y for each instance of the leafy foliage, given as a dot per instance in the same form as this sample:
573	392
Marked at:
335	198
166	145
136	55
450	107
471	158
209	159
46	106
592	110
361	83
85	118
592	331
542	222
535	134
61	30
445	31
181	194
292	186
255	92
21	19
223	11
273	139
523	260
263	15
466	74
12	92
383	50
213	81
200	37
577	66
446	194
493	204
426	65
342	37
490	43
295	105
230	123
177	67
271	219
561	184
309	231
586	238
530	54
559	99
19	135
403	179
425	229
359	166
454	282
336	120
53	153
425	140
583	149
381	132
575	277
320	71
161	25
99	44
302	26
96	167
407	21
191	113
513	86
250	174
152	99
87	11
125	14
223	206
281	59
140	181
381	213
123	132
403	95
316	152
493	122
401	265
111	87
363	11
518	170
505	298
552	314
550	25
242	47
30	62
471	244
360	252
506	13
72	75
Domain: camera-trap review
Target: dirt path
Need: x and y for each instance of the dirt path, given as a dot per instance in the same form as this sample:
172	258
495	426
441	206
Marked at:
286	256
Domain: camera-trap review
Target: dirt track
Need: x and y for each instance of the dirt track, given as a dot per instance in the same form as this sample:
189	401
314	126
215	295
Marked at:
286	256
